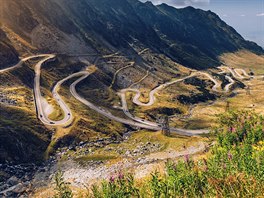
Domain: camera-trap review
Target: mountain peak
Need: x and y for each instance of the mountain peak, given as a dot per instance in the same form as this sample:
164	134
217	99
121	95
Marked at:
149	3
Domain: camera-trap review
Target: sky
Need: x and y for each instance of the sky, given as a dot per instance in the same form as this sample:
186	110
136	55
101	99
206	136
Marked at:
246	16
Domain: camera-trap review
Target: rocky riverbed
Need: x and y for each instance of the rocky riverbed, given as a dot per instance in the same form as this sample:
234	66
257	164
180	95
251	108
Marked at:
83	175
142	159
15	180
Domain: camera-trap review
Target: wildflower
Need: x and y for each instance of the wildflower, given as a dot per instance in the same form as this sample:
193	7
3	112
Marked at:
255	147
120	175
224	165
187	158
232	129
112	179
230	156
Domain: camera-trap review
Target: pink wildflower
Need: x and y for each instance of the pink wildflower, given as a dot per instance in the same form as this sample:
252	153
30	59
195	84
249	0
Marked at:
112	179
232	129
120	175
230	156
187	158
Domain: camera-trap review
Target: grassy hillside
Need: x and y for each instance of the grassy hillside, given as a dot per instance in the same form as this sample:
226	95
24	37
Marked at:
22	138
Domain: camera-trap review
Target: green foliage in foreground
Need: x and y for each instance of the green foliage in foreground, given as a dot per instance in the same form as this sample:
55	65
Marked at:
62	188
235	167
121	187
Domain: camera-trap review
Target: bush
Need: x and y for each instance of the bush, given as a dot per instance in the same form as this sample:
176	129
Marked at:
121	186
235	167
62	188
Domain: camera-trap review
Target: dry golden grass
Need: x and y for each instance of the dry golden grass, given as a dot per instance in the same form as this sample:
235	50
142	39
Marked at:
57	113
205	114
17	39
20	94
244	60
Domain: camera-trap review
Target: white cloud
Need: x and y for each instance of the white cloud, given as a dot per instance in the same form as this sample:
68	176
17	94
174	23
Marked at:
260	14
225	15
242	15
181	3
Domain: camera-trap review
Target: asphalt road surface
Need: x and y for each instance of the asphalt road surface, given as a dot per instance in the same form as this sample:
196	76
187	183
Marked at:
132	120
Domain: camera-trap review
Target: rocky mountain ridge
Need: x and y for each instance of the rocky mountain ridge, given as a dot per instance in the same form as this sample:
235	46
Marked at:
189	36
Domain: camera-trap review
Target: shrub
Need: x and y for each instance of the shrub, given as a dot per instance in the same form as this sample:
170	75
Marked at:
120	186
62	188
235	167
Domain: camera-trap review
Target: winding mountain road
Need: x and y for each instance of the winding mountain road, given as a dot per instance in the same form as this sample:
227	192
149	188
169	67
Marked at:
231	82
236	72
122	94
146	125
84	75
140	80
20	63
152	93
133	121
217	85
130	64
143	124
40	101
179	131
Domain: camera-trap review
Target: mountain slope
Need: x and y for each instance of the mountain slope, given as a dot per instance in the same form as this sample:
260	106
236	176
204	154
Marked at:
42	25
189	36
8	54
20	140
196	37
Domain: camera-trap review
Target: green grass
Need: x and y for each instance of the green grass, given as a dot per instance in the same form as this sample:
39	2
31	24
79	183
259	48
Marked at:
234	167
